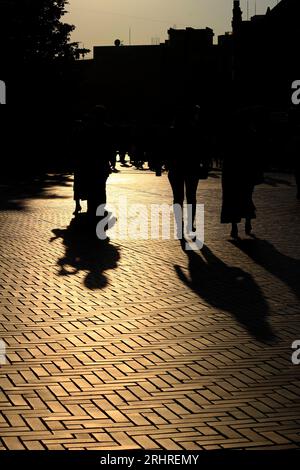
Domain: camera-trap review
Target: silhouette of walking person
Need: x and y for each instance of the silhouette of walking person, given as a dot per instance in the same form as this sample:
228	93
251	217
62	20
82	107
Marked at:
99	151
293	150
80	187
123	142
297	176
187	163
242	171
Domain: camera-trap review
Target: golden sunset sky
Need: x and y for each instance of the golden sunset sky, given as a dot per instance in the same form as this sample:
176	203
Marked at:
100	22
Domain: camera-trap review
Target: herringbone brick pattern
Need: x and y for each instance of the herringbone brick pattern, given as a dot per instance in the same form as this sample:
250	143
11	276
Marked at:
138	345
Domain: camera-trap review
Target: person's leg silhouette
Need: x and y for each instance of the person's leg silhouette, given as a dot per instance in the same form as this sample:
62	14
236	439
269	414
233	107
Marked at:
177	185
191	185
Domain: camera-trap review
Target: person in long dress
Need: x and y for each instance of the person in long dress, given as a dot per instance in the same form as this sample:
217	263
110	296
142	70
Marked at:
94	156
242	171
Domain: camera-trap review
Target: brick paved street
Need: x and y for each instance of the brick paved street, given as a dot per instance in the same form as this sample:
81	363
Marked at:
138	345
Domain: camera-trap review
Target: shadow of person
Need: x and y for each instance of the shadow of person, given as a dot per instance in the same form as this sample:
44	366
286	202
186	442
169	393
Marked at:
273	181
263	253
85	252
229	289
16	191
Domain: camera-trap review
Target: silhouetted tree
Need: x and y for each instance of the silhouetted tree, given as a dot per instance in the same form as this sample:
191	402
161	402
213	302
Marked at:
37	62
32	31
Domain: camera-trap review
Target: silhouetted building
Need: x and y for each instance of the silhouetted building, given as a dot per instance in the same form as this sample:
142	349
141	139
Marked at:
143	80
190	39
261	53
254	64
259	64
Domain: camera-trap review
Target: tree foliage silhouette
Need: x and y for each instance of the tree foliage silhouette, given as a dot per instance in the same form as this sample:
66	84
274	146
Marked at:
32	31
38	65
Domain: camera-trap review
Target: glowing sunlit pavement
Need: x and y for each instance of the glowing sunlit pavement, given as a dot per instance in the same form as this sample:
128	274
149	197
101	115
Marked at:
136	344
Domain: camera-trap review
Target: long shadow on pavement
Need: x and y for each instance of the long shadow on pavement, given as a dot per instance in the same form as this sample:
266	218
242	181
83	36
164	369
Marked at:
229	289
15	192
84	252
283	267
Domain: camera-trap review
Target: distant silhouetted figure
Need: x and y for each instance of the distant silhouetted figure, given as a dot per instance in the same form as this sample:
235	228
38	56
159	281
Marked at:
158	145
113	162
294	152
187	162
122	139
137	153
297	175
242	171
80	171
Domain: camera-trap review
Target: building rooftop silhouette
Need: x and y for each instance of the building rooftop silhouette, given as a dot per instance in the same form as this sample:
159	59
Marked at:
251	62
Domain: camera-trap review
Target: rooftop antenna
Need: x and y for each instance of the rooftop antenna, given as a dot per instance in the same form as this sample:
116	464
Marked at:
155	41
255	7
247	10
